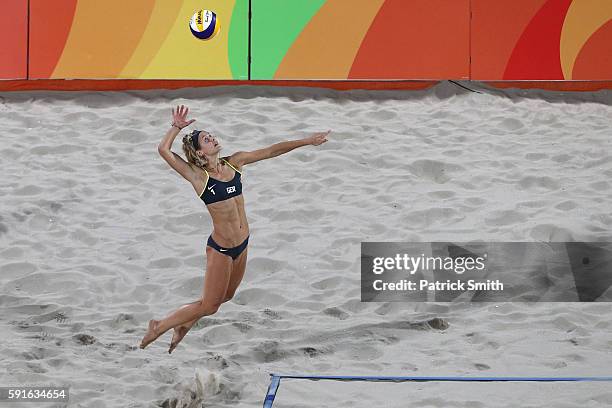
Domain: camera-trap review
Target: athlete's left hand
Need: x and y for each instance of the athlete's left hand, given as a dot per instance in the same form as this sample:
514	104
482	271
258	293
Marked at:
318	138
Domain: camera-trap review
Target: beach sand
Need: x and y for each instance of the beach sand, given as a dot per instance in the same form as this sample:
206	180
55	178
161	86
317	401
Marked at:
98	235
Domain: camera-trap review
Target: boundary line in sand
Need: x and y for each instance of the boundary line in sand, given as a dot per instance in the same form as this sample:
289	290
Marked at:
276	378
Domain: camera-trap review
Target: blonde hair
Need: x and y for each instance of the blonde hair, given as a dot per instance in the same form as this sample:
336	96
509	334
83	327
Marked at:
193	158
191	154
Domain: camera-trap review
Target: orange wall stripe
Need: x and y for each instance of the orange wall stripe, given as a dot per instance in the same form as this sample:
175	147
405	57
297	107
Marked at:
163	18
325	51
103	37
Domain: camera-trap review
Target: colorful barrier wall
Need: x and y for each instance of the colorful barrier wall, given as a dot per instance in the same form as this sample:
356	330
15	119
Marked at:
13	39
308	40
542	40
360	39
143	39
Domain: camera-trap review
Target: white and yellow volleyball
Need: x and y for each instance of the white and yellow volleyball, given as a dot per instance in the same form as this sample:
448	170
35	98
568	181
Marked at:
204	24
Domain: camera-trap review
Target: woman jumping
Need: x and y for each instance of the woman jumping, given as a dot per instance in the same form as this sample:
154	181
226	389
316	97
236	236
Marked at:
217	182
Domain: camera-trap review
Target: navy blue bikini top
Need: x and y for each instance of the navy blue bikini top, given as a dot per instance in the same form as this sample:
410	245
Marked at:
217	190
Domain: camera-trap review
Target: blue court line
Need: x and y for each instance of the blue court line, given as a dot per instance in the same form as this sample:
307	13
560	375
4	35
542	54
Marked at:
276	378
272	388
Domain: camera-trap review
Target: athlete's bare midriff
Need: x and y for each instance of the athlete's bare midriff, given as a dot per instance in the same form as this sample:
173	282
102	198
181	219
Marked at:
230	226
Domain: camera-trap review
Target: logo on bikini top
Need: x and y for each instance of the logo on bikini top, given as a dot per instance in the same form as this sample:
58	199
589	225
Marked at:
231	189
211	189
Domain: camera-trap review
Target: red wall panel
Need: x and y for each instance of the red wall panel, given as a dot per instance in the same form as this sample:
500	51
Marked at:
416	39
13	39
50	23
541	40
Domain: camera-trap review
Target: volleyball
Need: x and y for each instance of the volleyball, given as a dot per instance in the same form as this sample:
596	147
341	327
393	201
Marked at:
204	24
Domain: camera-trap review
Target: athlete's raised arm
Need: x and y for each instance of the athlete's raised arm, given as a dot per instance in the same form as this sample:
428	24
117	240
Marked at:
179	121
242	158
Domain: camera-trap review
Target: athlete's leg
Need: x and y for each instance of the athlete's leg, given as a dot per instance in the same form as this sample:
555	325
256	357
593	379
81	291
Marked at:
238	269
216	280
237	272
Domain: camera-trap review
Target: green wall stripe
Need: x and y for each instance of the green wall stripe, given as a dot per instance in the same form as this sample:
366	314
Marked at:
237	43
275	26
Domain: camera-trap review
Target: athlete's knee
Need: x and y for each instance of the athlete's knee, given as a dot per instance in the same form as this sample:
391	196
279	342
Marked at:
228	296
208	308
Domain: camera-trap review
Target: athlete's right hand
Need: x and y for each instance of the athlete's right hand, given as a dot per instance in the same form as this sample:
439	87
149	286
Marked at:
179	117
317	138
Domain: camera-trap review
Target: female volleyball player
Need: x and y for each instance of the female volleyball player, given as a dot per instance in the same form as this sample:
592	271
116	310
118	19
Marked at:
217	181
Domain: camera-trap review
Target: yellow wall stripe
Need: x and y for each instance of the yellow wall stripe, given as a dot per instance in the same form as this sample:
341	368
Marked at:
182	56
583	18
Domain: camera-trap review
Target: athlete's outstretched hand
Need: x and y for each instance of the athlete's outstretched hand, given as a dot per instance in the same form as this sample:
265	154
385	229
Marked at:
318	138
179	117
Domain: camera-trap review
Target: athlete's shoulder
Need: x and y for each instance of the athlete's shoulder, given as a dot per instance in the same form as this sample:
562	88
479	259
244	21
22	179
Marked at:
232	160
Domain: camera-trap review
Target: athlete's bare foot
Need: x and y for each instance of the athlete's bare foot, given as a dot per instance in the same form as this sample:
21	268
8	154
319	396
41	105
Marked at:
151	335
177	336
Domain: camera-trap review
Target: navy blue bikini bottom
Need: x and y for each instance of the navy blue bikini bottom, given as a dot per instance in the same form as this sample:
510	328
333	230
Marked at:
233	252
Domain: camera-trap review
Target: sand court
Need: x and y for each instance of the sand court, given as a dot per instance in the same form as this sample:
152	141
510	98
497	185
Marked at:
98	235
